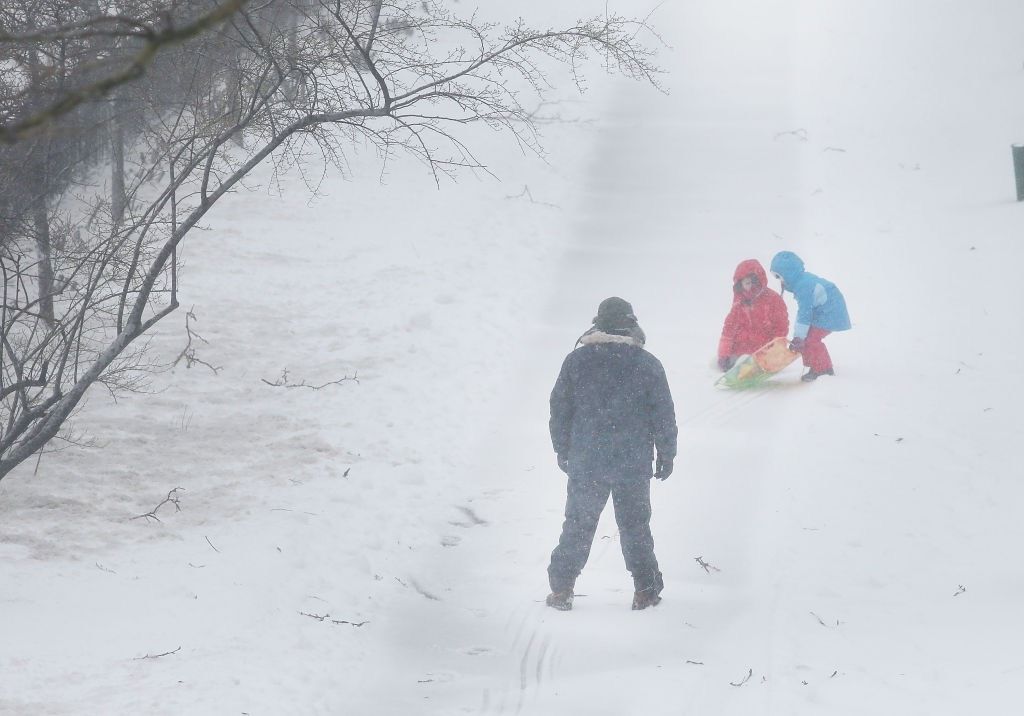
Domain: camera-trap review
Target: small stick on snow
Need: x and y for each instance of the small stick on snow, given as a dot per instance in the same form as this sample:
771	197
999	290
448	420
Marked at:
345	621
156	656
960	590
800	134
171	498
424	592
288	509
323	617
706	566
526	192
750	672
282	382
211	544
822	622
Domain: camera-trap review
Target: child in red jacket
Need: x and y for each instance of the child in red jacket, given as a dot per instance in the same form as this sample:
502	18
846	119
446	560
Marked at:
758	314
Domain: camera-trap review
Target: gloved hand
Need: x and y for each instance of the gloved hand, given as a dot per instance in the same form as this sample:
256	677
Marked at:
797	345
663	468
563	463
726	362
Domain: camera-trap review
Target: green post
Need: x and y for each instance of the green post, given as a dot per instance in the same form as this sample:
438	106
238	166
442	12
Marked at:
1018	169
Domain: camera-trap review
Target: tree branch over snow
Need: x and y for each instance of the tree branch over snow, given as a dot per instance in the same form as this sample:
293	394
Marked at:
172	499
188	352
282	382
242	84
153	35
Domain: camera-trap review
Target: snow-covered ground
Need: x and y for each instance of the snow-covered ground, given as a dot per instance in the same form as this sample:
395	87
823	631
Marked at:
378	546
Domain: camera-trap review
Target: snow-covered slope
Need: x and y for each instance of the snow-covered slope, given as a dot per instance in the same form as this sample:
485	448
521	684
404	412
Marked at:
379	546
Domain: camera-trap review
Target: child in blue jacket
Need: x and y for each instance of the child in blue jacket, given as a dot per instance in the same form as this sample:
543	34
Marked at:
821	309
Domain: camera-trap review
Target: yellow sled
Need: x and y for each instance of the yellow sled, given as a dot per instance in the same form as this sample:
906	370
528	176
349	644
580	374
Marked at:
751	370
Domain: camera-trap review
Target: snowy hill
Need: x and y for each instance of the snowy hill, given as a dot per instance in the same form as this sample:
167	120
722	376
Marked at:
375	541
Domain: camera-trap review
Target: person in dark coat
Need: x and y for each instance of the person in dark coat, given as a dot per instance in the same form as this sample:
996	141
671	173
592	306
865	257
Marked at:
611	409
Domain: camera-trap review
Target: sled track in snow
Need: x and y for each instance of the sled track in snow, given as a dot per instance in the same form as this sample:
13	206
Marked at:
534	666
724	408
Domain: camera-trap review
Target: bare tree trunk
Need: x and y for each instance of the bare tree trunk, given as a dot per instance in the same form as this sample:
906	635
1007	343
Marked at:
42	231
39	168
117	197
374	19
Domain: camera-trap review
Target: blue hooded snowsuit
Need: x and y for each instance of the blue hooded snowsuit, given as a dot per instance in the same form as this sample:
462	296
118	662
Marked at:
819	302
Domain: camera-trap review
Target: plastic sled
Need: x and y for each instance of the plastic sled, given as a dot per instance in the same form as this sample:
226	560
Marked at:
752	370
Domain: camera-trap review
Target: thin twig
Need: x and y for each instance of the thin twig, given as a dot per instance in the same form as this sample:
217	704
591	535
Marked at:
750	672
153	40
157	656
327	617
800	134
171	498
282	382
188	352
526	192
822	622
706	566
345	621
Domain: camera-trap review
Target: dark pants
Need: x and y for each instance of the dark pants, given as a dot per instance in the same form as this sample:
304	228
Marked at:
584	504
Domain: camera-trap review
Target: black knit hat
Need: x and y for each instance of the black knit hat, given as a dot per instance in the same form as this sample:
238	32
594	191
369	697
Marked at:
614	314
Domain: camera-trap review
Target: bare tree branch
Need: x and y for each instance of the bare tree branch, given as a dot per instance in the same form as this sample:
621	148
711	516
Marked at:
157	656
153	38
269	80
172	498
283	382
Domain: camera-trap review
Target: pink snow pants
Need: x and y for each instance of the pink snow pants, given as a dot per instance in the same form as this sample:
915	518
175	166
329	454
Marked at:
815	354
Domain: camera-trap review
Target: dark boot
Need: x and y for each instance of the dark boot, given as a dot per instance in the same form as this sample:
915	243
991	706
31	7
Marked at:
648	595
644	599
562	601
814	375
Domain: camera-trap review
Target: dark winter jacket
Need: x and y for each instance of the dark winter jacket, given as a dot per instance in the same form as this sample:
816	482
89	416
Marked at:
819	302
611	408
757	316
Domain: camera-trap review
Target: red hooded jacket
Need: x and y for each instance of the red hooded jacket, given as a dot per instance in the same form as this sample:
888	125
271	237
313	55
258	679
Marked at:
757	315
